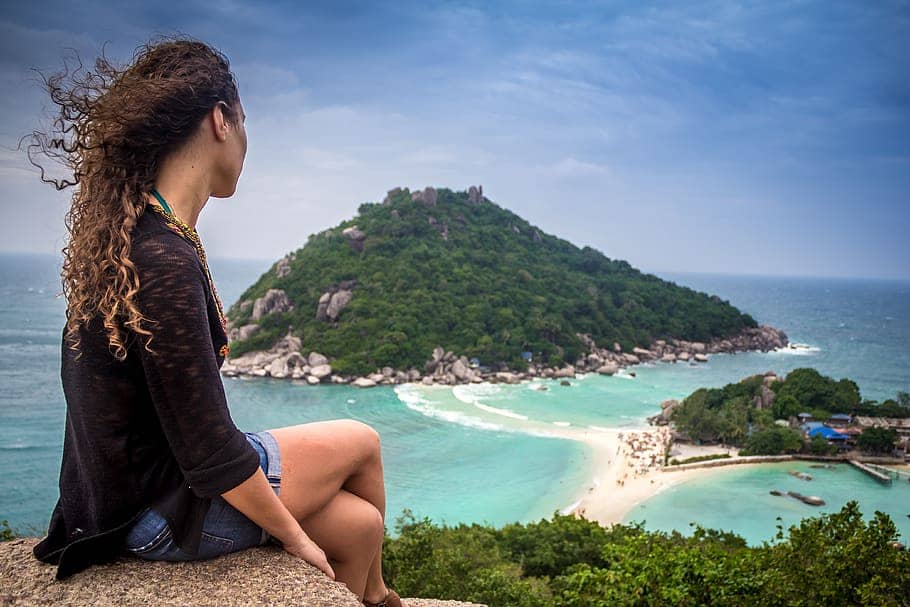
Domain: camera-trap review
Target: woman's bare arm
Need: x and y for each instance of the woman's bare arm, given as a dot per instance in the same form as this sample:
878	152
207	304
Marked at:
255	499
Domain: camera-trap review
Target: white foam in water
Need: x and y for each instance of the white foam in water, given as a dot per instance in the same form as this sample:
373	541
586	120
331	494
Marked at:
351	401
795	349
562	424
503	412
568	509
414	401
469	393
600	429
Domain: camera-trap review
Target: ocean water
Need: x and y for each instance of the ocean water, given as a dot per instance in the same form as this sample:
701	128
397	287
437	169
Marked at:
482	453
737	498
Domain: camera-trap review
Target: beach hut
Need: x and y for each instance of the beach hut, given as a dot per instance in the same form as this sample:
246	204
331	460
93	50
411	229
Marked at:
830	434
840	420
808	427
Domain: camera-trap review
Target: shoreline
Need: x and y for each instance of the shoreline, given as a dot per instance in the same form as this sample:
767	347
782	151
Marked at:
621	480
286	360
617	485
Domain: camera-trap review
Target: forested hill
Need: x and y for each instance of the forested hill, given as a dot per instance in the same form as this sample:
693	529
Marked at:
453	269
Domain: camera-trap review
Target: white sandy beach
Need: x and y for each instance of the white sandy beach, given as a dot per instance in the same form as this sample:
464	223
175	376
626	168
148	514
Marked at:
620	479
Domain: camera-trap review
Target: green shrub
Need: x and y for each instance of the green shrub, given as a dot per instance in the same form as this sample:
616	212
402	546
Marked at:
773	441
832	560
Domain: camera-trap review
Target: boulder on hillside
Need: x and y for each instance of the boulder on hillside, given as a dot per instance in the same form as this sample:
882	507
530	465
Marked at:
274	301
258	576
340	299
315	359
475	194
391	194
334	300
427	196
355	237
242	333
283	267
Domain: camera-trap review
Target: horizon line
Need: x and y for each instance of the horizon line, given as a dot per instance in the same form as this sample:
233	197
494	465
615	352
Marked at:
656	272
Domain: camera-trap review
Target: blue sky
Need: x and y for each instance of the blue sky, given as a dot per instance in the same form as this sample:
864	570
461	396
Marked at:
761	138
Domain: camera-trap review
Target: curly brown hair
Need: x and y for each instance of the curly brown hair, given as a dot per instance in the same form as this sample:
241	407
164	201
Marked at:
114	128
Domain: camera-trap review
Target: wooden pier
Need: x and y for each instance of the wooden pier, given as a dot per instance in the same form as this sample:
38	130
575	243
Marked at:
881	477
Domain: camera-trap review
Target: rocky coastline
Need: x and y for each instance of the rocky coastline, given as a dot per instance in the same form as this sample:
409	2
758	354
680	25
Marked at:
286	360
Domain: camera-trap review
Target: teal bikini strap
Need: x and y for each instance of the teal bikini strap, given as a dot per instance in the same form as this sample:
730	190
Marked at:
162	201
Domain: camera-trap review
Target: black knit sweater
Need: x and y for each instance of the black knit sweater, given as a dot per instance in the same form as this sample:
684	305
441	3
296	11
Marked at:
154	429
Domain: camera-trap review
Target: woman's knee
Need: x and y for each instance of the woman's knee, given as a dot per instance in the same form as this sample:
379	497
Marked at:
356	527
366	437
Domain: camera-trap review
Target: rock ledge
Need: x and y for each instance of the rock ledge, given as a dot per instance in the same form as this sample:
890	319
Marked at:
258	576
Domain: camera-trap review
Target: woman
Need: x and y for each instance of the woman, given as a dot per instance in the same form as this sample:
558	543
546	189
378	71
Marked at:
152	462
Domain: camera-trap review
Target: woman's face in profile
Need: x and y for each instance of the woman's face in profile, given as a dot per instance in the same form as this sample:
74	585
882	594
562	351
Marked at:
234	153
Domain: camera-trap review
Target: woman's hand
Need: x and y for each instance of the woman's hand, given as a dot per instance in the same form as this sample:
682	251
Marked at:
304	548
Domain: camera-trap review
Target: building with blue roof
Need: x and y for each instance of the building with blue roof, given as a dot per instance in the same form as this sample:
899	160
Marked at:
827	433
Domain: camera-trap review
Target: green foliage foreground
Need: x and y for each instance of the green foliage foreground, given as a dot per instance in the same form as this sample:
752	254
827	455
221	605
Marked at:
831	560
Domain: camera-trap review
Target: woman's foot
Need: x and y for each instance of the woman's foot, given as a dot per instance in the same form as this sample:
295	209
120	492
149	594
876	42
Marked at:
389	598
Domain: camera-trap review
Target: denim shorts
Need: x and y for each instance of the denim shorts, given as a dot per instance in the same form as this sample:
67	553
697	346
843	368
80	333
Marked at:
224	530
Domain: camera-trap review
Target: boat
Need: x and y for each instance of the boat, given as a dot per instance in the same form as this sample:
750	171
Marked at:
800	475
812	500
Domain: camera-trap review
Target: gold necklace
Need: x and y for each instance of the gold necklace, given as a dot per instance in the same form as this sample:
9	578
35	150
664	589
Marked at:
190	234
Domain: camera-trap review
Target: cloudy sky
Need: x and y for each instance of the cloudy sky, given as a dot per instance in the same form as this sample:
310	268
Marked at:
760	138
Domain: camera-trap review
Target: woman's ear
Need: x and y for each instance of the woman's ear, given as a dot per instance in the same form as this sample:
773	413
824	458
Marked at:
219	121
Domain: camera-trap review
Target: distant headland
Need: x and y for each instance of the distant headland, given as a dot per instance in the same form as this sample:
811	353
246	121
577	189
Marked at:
439	286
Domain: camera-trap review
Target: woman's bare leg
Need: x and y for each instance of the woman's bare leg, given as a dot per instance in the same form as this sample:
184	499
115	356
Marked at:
321	459
349	530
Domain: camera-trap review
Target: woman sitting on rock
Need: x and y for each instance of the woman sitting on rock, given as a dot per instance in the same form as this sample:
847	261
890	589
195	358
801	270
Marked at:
153	465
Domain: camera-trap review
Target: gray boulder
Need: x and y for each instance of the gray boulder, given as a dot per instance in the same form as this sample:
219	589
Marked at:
340	300
273	302
315	359
567	371
243	333
283	267
355	237
460	370
475	194
391	193
321	371
279	368
426	197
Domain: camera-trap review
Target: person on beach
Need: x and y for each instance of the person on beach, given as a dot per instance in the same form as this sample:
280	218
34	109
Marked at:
153	465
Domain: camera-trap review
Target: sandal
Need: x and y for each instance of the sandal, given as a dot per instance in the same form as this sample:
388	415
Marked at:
391	600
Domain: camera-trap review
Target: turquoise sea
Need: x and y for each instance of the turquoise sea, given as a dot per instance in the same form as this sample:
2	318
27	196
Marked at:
478	453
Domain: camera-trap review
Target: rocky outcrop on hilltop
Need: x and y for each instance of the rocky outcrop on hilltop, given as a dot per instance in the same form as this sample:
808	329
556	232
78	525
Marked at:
257	576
